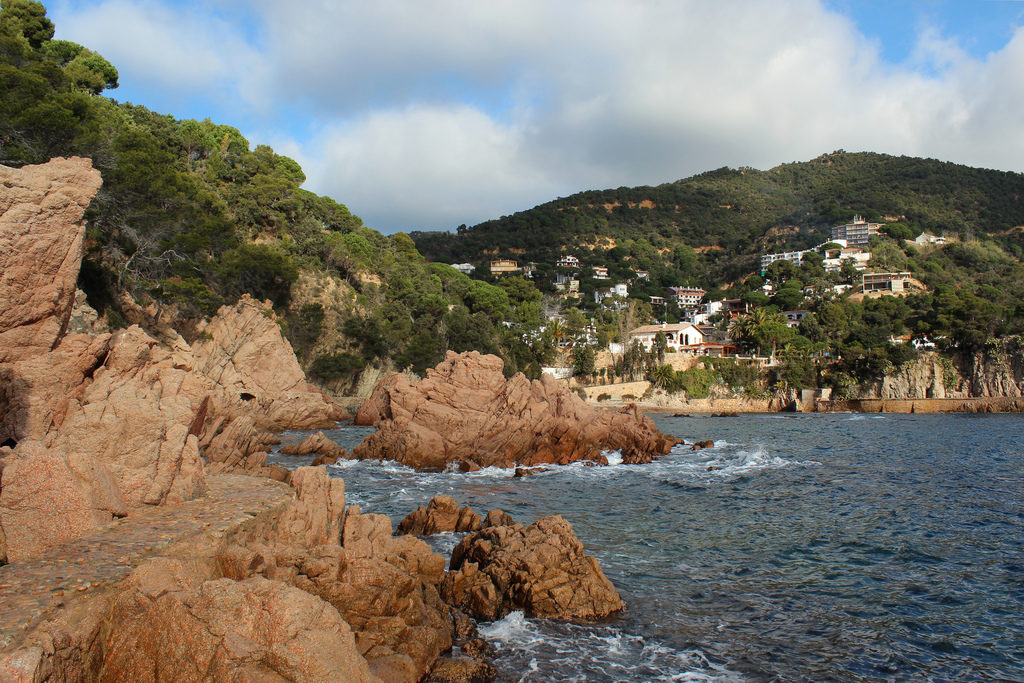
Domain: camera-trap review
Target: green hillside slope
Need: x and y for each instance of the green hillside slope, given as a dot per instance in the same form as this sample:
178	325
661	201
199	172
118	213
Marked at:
731	216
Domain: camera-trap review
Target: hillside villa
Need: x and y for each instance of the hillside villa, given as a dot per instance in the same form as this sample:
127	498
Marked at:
677	335
504	266
857	233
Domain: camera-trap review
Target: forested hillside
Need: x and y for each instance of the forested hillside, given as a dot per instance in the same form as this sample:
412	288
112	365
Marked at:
712	228
190	216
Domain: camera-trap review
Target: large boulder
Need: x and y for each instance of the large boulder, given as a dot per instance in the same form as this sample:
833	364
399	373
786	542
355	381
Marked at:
317	443
242	351
465	411
136	416
41	236
540	569
166	626
48	498
442	514
385	588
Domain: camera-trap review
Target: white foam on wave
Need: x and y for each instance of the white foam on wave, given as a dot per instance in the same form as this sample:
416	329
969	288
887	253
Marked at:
572	652
858	418
614	457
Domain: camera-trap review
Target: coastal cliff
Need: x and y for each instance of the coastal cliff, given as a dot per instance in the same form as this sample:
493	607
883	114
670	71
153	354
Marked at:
130	546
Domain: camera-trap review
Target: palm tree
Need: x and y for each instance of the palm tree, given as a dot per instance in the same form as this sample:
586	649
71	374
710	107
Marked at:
663	377
761	327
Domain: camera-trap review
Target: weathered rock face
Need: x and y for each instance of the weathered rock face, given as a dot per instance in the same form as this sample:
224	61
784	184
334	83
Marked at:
540	569
49	498
41	235
135	417
242	351
385	588
466	411
317	443
440	515
167	626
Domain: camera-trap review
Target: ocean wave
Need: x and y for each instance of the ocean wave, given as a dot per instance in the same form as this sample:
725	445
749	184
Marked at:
572	652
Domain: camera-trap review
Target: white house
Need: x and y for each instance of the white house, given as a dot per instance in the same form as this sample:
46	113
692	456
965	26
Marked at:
687	297
600	273
568	261
466	268
676	336
619	290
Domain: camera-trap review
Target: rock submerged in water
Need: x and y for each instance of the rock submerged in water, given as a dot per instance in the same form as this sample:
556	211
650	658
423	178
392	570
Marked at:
540	569
465	411
441	515
329	451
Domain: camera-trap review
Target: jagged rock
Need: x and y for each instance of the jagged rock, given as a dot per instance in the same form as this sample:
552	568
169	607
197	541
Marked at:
465	410
317	443
243	351
462	670
49	498
384	587
135	417
701	445
540	569
324	460
498	518
41	236
35	391
166	627
441	514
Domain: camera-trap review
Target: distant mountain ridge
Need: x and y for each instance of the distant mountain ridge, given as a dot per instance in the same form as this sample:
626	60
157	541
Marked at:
736	214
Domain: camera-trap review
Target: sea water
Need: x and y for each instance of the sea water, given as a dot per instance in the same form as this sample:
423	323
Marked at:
799	547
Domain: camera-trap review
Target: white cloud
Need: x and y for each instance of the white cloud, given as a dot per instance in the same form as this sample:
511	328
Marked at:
172	54
427	115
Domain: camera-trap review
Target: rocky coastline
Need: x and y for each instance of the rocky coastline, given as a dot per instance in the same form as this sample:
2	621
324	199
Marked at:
144	536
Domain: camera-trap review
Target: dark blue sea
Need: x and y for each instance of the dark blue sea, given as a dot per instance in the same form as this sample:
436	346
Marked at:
799	548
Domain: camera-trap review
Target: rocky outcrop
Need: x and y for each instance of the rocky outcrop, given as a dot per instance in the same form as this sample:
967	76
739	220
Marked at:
385	588
442	514
466	411
317	443
49	498
243	352
225	630
540	569
41	236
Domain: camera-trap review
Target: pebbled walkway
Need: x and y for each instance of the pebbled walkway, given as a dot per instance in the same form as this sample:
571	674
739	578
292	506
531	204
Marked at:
36	589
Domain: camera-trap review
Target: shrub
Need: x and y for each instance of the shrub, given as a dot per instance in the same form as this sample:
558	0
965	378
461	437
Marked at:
603	397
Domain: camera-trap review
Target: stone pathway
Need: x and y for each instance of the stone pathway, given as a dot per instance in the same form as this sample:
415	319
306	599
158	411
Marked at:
33	590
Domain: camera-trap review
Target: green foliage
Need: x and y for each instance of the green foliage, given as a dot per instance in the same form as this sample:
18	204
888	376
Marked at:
696	382
260	269
336	366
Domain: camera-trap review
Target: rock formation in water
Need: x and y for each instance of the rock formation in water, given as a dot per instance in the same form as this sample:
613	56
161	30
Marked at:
540	569
442	514
317	443
465	411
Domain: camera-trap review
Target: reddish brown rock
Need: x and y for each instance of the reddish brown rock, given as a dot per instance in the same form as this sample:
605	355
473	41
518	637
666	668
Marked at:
441	515
244	353
134	416
540	569
165	626
35	391
465	410
498	518
384	587
48	498
701	445
41	235
317	443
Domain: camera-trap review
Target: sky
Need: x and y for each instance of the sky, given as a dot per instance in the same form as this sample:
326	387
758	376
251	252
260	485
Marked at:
424	115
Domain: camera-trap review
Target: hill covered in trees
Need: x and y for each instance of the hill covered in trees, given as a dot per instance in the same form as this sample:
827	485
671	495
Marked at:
712	228
191	215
